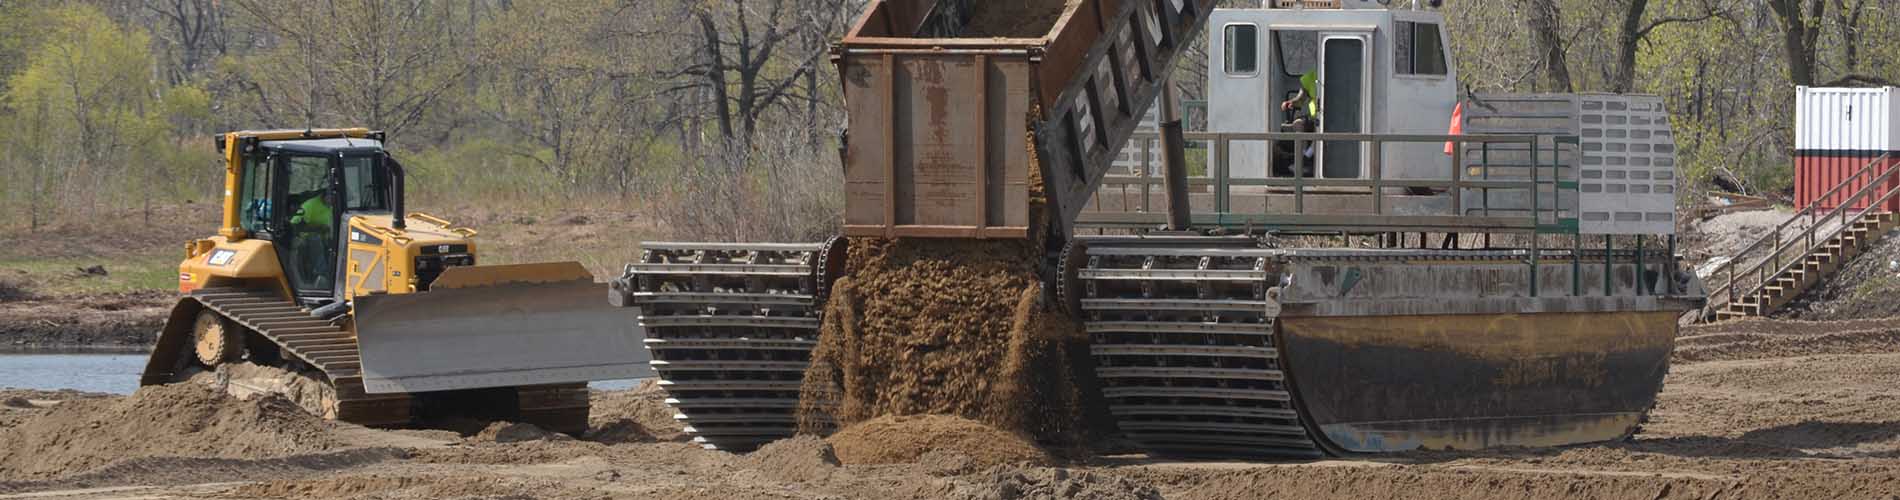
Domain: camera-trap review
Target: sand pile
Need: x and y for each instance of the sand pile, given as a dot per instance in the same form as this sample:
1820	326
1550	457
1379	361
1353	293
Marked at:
511	432
801	458
1014	18
640	415
906	439
1038	483
403	487
184	420
949	327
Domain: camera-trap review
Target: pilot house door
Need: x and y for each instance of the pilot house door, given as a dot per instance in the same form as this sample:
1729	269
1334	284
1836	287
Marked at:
1343	81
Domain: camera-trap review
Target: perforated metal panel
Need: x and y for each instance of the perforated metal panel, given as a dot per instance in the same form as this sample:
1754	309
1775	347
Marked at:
1629	180
1623	163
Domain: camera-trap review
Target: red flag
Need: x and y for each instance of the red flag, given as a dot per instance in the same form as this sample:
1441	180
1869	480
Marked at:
1457	126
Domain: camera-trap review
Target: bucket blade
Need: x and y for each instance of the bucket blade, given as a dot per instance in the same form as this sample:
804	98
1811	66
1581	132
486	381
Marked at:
1398	383
498	326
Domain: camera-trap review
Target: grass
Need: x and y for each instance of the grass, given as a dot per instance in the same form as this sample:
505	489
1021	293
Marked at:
62	277
604	243
600	234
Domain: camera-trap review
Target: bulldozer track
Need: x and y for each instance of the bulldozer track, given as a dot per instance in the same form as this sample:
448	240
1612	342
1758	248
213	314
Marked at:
330	348
1186	348
327	347
731	328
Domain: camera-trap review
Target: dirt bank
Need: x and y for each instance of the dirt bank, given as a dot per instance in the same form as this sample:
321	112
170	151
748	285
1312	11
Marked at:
184	420
1714	240
1865	288
1758	338
951	328
21	405
113	321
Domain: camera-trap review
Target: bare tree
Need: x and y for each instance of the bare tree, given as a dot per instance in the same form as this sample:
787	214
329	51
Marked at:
384	65
747	58
1545	21
1635	29
1799	29
195	28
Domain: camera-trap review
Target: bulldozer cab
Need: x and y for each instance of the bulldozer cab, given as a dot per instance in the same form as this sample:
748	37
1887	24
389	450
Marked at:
298	193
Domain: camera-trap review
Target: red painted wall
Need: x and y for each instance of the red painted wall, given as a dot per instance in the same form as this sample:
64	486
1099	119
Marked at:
1817	172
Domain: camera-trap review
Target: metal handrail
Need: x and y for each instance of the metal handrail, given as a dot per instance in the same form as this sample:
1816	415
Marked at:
1219	174
1728	289
1809	235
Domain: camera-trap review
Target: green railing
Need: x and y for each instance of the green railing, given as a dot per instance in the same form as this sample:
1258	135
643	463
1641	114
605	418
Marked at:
1545	171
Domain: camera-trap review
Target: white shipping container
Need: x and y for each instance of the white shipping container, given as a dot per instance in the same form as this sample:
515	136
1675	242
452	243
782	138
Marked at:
1846	119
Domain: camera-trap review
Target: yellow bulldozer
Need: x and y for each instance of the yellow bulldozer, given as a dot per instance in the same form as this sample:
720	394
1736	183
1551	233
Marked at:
320	287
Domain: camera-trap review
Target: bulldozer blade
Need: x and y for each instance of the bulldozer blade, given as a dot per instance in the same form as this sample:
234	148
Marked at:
498	326
1394	383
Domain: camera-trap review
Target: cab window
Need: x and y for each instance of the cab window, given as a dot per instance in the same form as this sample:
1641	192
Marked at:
363	184
1242	52
1419	49
254	207
309	176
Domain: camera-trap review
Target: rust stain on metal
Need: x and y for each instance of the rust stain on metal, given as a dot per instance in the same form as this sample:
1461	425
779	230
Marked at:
1497	337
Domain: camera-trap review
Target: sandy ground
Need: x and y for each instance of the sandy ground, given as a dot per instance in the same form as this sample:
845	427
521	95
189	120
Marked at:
1753	409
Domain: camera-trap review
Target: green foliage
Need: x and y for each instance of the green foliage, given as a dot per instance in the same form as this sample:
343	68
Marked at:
85	124
500	172
539	103
1720	65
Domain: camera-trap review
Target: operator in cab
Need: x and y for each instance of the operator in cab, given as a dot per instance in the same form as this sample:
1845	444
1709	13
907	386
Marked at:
1301	109
312	225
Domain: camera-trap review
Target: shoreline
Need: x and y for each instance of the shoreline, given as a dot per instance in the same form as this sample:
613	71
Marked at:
100	349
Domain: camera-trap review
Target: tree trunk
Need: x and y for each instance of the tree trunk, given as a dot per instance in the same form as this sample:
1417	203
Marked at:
1624	79
1850	34
1798	31
716	73
1545	25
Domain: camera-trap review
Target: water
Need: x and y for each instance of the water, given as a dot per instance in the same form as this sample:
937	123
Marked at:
114	373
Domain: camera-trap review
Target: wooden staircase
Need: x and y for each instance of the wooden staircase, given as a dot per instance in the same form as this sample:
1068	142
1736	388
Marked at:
1820	262
1806	249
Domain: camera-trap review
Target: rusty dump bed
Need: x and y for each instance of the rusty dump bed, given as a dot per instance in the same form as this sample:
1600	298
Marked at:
950	130
1234	351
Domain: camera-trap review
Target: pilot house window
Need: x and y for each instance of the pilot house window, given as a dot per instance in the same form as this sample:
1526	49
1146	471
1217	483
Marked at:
1242	52
1419	50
